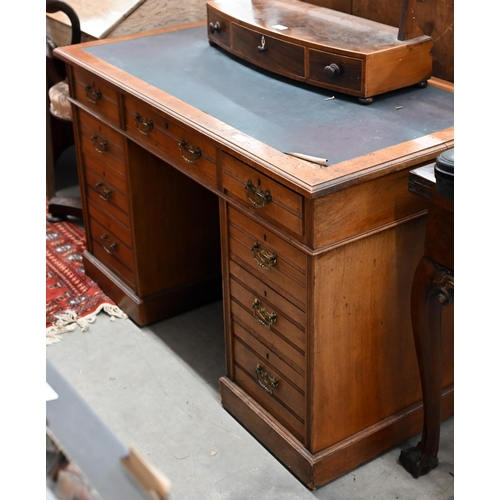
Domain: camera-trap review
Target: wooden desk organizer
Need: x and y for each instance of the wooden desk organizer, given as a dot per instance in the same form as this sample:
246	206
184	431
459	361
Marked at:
321	46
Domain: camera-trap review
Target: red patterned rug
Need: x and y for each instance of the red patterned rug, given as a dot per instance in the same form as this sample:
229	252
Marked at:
72	298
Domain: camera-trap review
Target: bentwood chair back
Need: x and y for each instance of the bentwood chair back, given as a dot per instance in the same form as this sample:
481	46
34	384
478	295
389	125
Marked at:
60	136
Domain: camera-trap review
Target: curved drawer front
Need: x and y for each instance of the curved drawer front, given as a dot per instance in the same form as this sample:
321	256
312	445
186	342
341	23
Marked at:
269	388
218	28
262	195
97	95
181	147
338	72
268	52
272	259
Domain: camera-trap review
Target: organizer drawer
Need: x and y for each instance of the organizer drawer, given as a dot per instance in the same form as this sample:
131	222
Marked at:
341	72
280	56
269	388
218	28
181	147
272	259
96	94
264	196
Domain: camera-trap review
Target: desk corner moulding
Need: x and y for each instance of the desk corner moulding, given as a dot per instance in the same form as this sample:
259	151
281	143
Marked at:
189	197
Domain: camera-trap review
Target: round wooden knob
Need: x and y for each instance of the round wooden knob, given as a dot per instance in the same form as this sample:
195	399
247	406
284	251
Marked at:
331	71
214	27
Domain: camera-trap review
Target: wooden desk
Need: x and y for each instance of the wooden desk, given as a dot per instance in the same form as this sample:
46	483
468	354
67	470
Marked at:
182	155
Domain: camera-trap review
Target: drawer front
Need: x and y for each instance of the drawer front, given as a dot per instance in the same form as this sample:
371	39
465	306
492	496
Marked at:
104	195
268	52
102	142
340	72
270	296
181	147
280	332
111	225
218	28
108	247
262	195
272	259
96	94
270	356
114	177
269	388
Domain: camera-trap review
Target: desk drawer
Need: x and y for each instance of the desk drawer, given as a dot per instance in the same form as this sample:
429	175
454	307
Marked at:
264	196
270	296
346	74
108	244
268	52
267	256
112	176
181	147
107	197
102	142
269	388
96	94
279	332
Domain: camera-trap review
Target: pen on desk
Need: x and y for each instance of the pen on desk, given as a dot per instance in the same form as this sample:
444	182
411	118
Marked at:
313	159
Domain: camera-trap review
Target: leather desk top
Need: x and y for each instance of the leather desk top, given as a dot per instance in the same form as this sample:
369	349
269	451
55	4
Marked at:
286	115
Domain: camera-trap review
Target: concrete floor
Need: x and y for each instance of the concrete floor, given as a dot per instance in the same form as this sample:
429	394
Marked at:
156	388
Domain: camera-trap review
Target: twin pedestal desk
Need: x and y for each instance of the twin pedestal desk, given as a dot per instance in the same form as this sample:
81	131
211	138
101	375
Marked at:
190	194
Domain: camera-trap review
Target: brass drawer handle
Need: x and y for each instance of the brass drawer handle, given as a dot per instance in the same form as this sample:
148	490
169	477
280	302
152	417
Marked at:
108	245
256	196
144	125
100	145
93	94
193	152
263	257
104	192
269	383
262	315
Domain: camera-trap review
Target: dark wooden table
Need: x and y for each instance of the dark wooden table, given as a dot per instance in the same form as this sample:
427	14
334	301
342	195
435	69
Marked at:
432	288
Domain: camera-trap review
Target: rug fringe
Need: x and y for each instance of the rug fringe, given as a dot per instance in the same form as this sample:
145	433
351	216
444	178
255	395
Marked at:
68	320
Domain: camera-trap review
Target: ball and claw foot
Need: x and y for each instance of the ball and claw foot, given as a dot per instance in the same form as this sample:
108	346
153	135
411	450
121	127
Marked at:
415	463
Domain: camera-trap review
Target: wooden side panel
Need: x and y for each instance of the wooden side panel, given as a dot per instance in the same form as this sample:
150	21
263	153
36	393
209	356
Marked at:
363	207
363	366
410	63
